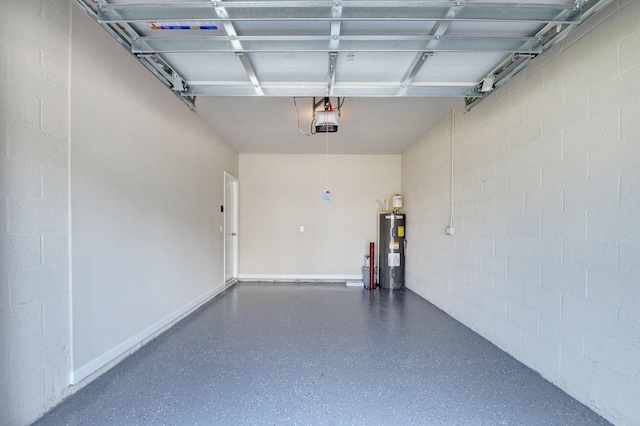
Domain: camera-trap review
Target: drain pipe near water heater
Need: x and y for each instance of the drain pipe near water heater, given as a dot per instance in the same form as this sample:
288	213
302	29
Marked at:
372	264
372	270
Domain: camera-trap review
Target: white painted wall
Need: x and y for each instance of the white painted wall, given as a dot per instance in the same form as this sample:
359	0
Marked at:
34	200
146	189
147	182
544	261
280	193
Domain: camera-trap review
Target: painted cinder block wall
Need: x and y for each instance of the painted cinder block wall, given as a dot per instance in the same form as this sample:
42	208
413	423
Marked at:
174	204
34	207
544	260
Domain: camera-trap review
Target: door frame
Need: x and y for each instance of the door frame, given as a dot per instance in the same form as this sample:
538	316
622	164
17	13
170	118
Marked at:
230	227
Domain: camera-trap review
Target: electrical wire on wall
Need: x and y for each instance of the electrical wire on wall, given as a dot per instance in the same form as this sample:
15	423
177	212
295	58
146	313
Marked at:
299	128
453	137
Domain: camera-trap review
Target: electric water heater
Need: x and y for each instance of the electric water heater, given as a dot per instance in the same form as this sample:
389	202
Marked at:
391	251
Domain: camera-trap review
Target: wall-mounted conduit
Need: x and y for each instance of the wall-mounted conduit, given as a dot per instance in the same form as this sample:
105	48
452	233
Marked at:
453	137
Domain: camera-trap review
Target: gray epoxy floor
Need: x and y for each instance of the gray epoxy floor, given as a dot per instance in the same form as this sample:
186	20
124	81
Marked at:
319	354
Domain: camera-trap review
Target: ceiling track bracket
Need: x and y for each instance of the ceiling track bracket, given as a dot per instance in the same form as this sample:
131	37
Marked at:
158	67
331	75
415	66
246	63
550	36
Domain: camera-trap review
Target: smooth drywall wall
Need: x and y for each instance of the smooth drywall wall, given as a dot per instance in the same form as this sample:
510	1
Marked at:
544	257
146	189
279	194
34	206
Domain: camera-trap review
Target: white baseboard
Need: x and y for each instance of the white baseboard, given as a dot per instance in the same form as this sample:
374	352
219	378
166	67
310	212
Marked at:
113	356
297	277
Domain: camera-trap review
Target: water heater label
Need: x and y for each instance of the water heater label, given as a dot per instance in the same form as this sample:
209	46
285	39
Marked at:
393	259
394	245
400	231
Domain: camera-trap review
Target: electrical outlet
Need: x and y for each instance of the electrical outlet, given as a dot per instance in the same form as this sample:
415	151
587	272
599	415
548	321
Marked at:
302	229
449	230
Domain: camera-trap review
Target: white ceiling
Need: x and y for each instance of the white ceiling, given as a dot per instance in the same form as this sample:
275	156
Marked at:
396	67
367	125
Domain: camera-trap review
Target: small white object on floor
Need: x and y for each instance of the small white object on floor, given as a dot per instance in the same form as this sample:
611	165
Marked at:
354	284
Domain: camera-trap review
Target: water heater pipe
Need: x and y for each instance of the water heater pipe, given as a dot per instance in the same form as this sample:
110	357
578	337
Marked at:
372	264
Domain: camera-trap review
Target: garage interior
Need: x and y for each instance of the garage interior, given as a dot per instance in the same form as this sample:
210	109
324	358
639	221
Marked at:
124	172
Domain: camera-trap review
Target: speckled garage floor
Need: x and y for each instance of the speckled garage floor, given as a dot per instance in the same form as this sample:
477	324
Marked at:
319	354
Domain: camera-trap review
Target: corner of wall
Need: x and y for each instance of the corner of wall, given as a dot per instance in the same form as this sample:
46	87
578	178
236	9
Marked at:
34	205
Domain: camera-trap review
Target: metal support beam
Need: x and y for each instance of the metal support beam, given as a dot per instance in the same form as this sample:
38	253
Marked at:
250	72
239	50
417	43
302	89
379	10
415	66
336	25
331	74
438	30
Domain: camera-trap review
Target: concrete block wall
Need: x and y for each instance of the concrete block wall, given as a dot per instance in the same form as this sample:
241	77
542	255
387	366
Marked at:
544	260
34	207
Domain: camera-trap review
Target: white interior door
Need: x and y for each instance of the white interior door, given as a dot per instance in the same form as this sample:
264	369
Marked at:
230	227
